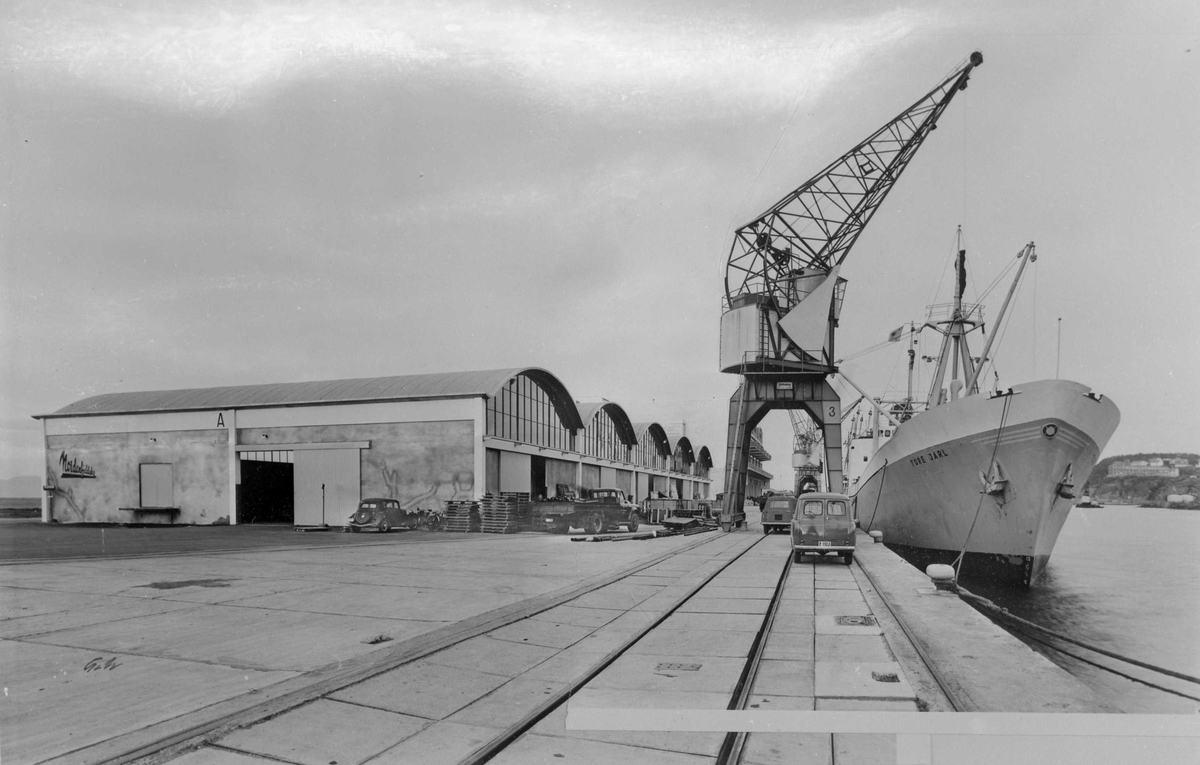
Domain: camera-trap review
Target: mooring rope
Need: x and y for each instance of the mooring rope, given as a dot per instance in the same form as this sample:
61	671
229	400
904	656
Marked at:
957	564
1004	612
1098	665
882	478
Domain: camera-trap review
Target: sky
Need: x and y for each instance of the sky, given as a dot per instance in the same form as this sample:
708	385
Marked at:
221	193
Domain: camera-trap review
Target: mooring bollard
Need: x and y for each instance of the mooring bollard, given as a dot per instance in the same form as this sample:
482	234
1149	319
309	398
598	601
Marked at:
876	536
942	576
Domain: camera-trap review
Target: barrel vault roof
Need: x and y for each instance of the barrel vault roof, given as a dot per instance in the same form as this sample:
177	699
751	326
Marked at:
360	390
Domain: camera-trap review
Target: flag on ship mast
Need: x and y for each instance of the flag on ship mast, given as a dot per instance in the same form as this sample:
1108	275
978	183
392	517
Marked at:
896	334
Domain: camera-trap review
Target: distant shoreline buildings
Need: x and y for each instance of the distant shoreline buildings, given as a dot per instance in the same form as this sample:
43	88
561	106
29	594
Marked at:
1155	467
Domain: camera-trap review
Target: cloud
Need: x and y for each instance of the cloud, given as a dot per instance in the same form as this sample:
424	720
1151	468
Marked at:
217	56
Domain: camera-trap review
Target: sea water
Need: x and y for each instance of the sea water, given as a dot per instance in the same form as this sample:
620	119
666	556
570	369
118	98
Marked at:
1125	579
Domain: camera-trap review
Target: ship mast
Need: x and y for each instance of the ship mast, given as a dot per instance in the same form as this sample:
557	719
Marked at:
955	351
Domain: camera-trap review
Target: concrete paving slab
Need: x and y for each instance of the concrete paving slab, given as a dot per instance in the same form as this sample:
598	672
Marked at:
59	699
875	680
23	602
683	620
606	640
784	678
687	742
203	586
850	594
792	622
798	591
633	620
442	743
509	703
496	657
537	632
830	567
867	705
780	703
408	603
534	748
852	648
864	748
647	673
566	666
756	593
789	749
835	584
325	731
615	597
241	637
625	698
213	756
827	624
651	581
721	643
578	617
706	605
111	608
796	607
660	603
789	646
845	607
422	689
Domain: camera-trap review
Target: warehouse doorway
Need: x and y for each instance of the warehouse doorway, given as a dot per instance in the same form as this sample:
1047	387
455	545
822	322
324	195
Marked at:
537	476
327	485
265	493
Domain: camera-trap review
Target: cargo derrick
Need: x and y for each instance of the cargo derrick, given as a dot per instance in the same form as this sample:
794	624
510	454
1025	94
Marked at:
783	295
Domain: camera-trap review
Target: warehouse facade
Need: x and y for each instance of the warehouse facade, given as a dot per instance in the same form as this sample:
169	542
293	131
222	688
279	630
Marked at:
306	453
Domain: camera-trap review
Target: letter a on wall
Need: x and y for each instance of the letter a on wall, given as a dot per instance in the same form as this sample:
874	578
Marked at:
220	420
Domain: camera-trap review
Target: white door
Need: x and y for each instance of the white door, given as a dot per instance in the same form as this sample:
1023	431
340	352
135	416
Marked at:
157	485
326	485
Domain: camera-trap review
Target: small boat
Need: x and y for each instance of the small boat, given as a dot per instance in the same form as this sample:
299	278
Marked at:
1087	502
984	481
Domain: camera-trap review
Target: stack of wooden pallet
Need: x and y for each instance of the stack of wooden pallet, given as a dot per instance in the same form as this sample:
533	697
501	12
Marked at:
524	508
461	516
500	515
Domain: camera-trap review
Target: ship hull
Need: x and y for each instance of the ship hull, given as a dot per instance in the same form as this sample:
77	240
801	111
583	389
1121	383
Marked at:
997	475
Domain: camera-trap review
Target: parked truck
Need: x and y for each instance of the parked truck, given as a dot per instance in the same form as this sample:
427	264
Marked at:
596	512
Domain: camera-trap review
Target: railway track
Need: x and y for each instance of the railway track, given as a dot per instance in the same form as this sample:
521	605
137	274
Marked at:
720	566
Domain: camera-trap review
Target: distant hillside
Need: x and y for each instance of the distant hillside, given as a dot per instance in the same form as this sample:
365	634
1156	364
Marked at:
1142	490
21	486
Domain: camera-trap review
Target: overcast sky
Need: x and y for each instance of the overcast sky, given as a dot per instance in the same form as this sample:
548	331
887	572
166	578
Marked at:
199	194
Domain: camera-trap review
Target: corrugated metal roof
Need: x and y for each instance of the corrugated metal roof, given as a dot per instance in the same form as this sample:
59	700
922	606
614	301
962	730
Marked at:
359	390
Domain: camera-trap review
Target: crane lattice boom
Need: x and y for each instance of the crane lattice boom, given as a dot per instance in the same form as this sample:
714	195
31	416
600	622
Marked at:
815	226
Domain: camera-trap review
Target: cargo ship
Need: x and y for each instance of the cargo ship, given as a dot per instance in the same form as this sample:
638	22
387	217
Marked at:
983	481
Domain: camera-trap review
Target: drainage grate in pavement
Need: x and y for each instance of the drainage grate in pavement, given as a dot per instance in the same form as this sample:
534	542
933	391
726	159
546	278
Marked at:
671	666
856	621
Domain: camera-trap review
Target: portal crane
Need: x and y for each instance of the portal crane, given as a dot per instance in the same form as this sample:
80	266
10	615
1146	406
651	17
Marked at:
783	295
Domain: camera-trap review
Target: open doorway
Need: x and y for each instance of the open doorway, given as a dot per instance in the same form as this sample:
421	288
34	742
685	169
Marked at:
266	493
537	476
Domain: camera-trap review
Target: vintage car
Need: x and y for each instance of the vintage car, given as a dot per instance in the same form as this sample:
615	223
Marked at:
777	513
600	510
381	514
822	524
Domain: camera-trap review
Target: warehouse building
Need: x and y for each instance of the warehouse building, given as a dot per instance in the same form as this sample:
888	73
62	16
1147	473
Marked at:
307	452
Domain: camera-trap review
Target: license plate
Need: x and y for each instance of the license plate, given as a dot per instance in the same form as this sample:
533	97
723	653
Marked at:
824	544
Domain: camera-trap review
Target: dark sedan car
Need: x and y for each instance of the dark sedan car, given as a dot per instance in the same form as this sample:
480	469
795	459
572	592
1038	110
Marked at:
381	514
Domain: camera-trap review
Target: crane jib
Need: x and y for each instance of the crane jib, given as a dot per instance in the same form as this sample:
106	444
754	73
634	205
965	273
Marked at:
814	227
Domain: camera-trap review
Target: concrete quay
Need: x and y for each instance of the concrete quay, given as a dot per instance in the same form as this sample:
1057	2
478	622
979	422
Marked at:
512	649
